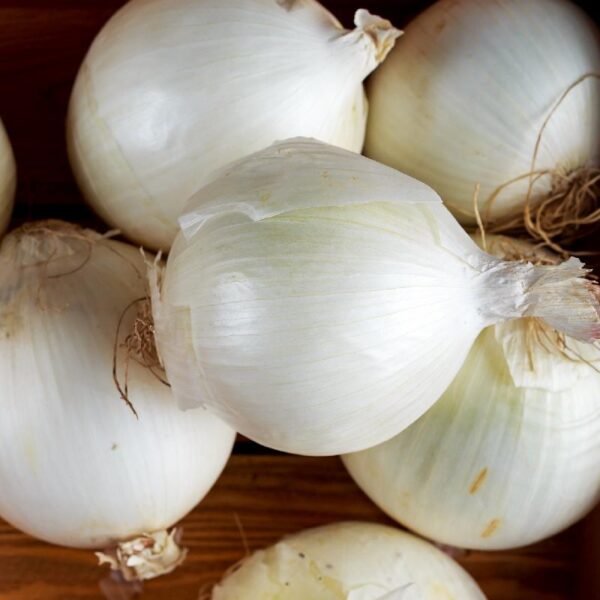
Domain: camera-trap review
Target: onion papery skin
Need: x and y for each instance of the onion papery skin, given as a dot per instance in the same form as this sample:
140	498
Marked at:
76	466
320	302
348	561
153	114
495	465
8	179
462	99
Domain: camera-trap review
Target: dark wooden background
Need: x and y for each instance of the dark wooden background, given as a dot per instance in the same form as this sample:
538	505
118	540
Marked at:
42	43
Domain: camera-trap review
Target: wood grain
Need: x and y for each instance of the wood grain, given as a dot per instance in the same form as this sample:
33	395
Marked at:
272	495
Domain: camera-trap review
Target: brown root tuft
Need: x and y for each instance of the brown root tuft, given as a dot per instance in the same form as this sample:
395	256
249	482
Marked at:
569	212
139	345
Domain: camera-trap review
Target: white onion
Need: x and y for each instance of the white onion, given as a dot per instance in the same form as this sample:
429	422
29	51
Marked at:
172	89
348	561
463	97
320	302
8	179
510	453
76	466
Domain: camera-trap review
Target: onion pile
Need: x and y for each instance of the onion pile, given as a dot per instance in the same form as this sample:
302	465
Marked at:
8	179
313	299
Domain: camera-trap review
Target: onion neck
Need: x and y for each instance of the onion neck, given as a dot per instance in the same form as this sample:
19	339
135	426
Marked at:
147	556
560	295
370	41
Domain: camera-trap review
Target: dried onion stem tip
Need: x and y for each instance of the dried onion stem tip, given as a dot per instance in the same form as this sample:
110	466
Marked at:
147	556
381	33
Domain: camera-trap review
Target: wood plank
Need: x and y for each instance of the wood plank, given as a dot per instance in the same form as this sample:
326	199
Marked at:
272	495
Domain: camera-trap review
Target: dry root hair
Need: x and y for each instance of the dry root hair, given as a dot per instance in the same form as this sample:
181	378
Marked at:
139	346
571	209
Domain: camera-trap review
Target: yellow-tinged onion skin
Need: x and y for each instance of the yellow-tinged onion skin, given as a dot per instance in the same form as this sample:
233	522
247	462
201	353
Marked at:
77	468
463	96
348	561
492	465
8	179
173	89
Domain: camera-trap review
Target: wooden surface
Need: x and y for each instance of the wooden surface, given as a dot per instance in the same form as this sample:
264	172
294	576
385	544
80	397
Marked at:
271	495
588	558
42	43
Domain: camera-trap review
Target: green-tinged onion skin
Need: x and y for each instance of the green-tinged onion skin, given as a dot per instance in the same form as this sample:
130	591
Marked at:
493	465
8	179
173	89
348	561
463	97
77	468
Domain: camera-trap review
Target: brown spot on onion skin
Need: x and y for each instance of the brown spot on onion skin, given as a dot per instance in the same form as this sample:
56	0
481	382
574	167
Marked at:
491	528
441	591
478	481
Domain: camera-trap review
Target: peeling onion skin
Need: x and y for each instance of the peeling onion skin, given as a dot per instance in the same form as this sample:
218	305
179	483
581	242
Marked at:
8	179
491	465
76	466
151	115
348	561
463	96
